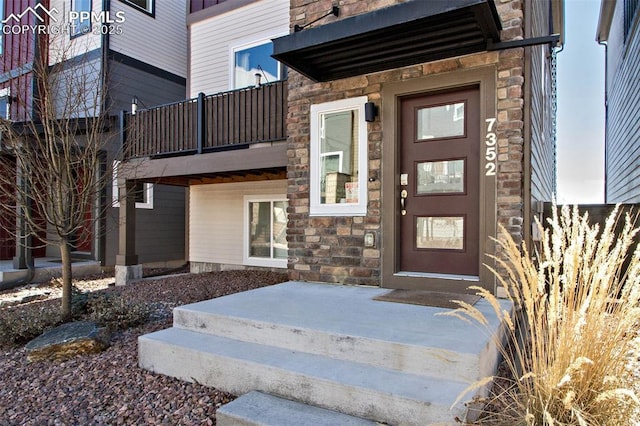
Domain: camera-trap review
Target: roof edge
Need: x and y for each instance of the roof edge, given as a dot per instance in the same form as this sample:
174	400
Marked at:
607	7
558	21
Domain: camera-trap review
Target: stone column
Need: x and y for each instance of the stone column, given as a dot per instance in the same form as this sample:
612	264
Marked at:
127	267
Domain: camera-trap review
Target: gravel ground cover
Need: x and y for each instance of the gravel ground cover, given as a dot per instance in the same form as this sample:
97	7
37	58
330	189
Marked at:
109	388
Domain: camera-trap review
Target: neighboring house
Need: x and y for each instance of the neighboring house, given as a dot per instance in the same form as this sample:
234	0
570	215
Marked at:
619	31
413	129
18	52
106	44
226	145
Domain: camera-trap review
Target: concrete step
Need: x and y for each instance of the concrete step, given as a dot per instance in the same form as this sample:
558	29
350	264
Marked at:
348	387
346	323
260	409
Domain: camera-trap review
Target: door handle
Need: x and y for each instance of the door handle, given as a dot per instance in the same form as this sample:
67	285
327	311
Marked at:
403	197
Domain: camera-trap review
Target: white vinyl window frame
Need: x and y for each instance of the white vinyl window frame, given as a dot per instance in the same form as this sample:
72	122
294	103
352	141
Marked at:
248	260
115	191
316	208
245	44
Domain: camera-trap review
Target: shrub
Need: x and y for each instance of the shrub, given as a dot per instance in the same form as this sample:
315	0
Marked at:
576	315
115	312
19	324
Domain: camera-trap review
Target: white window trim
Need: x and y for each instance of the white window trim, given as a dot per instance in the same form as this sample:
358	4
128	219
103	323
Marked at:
6	93
148	189
258	261
342	209
256	40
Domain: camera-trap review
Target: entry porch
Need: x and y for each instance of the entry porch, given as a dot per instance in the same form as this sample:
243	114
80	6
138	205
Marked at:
327	346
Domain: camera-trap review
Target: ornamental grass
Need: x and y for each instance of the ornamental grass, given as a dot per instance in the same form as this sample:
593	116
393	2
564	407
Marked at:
572	337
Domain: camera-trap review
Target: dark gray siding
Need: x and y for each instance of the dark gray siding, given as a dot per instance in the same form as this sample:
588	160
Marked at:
160	232
126	81
622	160
543	150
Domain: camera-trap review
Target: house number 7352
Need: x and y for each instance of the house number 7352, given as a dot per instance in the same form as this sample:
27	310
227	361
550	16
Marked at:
491	153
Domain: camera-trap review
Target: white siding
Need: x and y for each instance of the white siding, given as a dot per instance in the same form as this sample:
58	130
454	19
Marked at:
160	41
76	89
212	41
61	46
216	219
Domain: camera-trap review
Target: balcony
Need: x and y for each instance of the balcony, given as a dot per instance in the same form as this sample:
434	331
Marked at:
224	121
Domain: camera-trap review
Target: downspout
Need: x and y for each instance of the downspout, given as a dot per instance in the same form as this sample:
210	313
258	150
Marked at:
101	224
106	7
606	110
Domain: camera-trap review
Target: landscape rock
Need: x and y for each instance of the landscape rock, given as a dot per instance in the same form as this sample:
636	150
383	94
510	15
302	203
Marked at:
67	341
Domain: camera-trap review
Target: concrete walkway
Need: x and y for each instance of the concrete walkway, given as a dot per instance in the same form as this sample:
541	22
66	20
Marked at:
329	346
46	268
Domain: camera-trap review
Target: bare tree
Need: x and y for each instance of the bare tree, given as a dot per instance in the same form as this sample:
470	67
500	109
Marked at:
53	170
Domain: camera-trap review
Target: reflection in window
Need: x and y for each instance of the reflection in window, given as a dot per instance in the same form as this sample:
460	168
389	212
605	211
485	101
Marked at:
255	60
338	158
440	177
4	107
146	5
439	232
82	24
338	167
268	229
440	121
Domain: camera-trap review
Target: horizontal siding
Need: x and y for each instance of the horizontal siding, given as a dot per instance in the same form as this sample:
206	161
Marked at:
216	215
160	232
543	162
77	89
125	82
212	41
160	41
62	47
623	122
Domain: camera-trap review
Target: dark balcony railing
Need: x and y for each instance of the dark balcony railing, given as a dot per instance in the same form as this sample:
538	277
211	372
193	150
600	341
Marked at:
207	123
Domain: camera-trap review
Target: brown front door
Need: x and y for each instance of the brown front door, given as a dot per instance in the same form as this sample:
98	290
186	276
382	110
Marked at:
439	184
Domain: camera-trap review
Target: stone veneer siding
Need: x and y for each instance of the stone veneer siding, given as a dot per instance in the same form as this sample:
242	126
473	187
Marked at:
331	249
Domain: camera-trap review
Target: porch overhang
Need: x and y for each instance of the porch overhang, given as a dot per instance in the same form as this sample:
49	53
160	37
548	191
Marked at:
409	33
255	163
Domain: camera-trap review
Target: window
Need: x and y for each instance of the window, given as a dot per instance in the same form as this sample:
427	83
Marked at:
338	158
147	6
5	101
266	231
82	24
249	60
143	192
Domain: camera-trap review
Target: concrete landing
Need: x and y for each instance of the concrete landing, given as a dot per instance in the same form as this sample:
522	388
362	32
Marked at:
329	346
